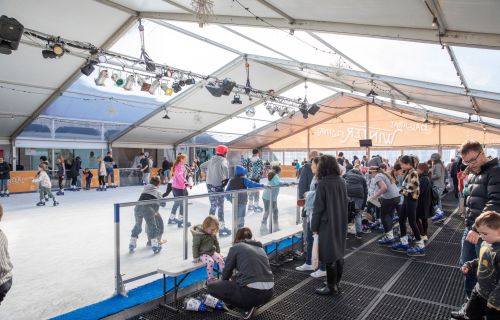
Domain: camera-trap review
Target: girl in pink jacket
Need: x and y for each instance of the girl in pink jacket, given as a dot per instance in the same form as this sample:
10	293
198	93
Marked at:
179	185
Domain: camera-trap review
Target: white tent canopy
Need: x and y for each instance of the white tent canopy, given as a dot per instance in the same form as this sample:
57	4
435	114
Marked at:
336	46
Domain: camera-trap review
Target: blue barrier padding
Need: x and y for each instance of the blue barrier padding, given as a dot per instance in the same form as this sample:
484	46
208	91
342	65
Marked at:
146	293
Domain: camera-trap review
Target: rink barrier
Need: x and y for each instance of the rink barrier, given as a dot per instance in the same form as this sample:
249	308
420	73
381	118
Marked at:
120	282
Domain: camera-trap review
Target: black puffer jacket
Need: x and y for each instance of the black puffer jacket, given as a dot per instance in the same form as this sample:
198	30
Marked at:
356	185
484	192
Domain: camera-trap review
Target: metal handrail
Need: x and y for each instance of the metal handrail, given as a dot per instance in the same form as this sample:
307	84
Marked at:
120	282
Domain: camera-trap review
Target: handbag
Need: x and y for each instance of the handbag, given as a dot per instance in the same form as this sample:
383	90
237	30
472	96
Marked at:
315	252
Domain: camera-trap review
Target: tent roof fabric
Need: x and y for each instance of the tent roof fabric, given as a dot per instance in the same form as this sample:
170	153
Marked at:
443	71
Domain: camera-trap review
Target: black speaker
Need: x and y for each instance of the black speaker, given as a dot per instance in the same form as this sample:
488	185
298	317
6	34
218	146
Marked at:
11	32
365	143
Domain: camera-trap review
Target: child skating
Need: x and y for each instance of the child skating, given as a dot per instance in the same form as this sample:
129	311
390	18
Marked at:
44	185
206	246
271	195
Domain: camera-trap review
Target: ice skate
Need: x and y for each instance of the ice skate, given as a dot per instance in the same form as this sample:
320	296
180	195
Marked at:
56	203
40	203
132	245
155	245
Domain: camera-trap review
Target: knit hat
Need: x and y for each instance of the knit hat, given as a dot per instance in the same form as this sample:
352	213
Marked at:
435	157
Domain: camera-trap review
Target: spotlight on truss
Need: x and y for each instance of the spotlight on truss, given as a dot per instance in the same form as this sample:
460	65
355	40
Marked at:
103	75
223	88
283	111
236	99
55	50
371	93
313	109
166	115
89	67
129	83
270	109
176	87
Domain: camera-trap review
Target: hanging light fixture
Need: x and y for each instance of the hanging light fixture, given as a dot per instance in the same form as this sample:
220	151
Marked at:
117	79
154	86
236	99
276	129
103	75
129	83
89	67
55	50
166	115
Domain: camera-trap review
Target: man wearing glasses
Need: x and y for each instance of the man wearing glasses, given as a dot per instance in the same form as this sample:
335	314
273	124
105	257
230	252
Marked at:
483	195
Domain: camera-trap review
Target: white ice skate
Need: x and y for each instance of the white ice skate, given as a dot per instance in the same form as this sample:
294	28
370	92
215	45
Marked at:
133	244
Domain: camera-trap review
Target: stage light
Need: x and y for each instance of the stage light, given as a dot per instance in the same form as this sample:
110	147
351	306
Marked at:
55	50
117	79
371	93
190	81
303	110
291	113
154	86
182	83
88	68
176	87
250	112
11	32
236	99
271	109
166	115
169	91
283	111
103	75
129	84
313	109
276	129
224	88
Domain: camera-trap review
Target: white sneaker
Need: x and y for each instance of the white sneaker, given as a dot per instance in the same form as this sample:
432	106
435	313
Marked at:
305	267
424	238
318	274
351	229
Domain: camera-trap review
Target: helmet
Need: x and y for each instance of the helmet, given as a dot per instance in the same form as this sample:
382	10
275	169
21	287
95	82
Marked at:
221	150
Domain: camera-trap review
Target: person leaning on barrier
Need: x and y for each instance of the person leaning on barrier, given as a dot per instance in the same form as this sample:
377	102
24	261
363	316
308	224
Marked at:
252	285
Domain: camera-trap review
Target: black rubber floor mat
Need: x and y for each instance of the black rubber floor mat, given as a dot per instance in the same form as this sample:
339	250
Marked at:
443	253
398	308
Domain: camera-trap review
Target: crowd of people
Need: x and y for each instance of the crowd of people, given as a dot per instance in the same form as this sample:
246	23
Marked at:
371	195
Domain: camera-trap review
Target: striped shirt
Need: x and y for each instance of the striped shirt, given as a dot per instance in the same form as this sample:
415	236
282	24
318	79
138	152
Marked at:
5	264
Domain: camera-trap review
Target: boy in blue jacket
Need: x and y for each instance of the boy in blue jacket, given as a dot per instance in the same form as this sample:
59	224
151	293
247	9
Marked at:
240	182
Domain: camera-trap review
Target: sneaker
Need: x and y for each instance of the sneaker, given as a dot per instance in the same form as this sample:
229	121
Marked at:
386	241
40	203
459	314
224	232
173	220
351	229
318	273
416	251
374	225
305	267
424	238
180	224
133	244
399	247
438	217
248	314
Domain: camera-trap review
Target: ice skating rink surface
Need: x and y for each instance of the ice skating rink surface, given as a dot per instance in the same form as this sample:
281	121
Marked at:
64	256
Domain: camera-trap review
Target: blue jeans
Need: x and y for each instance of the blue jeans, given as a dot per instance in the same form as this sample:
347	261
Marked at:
309	248
4	185
110	173
469	252
242	210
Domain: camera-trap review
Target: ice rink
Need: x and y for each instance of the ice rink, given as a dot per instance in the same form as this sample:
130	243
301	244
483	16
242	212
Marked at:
64	256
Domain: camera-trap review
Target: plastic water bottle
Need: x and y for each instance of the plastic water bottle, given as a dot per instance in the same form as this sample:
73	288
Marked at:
212	302
192	304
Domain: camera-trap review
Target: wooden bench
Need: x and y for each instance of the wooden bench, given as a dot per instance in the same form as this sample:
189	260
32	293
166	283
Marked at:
183	269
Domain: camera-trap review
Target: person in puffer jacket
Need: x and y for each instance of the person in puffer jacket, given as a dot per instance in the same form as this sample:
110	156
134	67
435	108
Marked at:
151	214
206	246
357	191
217	173
241	182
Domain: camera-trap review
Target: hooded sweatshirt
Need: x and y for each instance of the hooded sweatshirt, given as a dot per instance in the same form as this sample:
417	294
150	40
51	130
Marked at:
217	169
203	243
240	182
